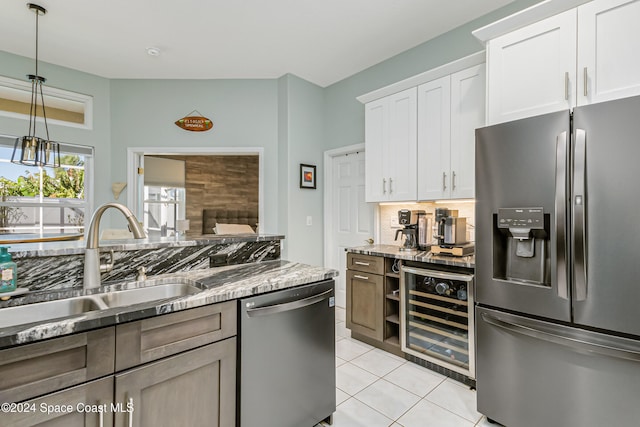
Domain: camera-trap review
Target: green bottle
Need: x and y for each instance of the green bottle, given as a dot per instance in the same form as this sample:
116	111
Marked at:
8	271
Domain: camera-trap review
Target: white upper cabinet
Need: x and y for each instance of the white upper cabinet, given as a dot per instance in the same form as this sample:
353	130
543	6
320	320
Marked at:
584	55
434	139
420	134
467	114
608	50
449	111
532	70
390	155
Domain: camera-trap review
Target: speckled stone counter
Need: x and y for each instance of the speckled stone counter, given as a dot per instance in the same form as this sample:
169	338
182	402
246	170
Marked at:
217	284
391	251
60	265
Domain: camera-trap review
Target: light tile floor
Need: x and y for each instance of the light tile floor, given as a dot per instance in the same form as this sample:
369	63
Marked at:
375	388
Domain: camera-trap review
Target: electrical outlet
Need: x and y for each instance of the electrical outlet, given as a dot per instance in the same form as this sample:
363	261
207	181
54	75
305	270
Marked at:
309	220
394	222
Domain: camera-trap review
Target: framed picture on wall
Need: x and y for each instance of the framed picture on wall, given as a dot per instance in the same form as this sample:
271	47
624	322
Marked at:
307	176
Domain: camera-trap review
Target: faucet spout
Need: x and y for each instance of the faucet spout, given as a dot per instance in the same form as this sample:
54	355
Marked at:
92	266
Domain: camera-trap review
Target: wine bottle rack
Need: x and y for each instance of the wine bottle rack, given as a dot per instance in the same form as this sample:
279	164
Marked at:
437	313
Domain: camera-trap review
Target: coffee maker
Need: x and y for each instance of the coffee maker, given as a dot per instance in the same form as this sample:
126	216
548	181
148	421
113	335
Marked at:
408	219
451	233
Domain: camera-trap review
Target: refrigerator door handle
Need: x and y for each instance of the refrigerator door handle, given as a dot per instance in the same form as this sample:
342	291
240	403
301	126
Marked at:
561	216
579	201
574	343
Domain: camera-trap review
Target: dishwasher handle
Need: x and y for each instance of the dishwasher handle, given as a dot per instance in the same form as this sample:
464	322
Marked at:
288	306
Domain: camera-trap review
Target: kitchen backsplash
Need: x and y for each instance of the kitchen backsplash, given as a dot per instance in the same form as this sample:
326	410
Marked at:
389	214
66	271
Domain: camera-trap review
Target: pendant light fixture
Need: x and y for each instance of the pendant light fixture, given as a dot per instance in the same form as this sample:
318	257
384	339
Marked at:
32	150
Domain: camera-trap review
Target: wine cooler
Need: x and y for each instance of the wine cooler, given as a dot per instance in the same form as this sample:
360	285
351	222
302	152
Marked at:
437	318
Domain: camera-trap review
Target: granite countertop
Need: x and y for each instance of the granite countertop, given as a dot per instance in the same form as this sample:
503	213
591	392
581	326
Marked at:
392	251
218	284
77	247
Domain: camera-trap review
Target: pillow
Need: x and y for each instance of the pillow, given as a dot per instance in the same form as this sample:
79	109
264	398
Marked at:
233	229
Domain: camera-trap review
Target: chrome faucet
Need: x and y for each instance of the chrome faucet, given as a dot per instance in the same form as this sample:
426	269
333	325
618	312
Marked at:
92	265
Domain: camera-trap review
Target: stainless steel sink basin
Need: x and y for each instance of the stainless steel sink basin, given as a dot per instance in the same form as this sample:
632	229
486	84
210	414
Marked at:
149	293
49	310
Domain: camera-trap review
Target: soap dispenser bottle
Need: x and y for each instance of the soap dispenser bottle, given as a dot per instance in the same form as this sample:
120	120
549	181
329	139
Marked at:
8	271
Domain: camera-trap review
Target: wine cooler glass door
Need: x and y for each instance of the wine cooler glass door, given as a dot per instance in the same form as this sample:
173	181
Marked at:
437	309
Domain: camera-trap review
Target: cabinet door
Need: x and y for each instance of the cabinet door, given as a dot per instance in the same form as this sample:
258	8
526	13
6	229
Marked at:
195	388
86	405
46	366
532	70
467	114
402	145
376	132
365	298
434	133
608	46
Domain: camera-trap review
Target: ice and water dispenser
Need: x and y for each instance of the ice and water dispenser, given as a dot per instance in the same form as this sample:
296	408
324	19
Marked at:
521	246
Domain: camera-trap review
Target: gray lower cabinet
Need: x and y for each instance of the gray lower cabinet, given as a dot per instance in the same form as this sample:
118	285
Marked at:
178	369
86	405
32	370
196	388
365	295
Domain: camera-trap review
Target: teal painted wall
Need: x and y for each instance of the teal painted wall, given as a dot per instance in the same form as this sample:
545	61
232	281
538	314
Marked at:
244	114
301	141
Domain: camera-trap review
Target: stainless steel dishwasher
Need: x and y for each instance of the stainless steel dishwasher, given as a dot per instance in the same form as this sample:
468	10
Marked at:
287	357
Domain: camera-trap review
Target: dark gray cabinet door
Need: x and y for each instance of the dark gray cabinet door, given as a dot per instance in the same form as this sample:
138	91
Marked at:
196	388
365	304
47	366
86	405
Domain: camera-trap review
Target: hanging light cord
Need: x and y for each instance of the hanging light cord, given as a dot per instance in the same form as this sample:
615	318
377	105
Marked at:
36	86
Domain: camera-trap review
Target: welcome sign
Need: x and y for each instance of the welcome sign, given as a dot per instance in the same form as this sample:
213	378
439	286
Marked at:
194	123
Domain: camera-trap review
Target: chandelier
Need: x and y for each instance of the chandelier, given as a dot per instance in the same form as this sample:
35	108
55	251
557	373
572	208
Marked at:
32	150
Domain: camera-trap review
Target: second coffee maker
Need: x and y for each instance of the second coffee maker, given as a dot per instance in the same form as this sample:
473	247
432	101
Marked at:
409	219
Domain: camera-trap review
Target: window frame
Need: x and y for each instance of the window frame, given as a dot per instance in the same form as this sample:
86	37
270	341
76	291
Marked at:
50	95
89	167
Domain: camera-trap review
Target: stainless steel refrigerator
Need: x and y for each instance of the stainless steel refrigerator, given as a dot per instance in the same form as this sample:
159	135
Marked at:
558	268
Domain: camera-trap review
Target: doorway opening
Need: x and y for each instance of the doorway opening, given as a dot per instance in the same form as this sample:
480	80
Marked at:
213	179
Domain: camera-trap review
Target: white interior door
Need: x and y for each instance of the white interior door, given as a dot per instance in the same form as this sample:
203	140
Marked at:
352	222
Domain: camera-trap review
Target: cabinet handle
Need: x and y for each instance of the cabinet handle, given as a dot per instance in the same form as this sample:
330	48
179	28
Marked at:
384	186
584	72
357	276
444	181
566	86
366	264
130	413
453	181
390	185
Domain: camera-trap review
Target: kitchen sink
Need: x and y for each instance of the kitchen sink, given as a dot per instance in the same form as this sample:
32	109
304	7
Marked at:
149	293
50	310
44	311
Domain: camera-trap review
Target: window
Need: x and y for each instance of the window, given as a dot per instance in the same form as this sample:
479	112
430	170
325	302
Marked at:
163	206
164	195
63	107
44	200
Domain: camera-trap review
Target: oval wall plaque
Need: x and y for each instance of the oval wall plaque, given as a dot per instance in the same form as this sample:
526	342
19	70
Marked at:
194	123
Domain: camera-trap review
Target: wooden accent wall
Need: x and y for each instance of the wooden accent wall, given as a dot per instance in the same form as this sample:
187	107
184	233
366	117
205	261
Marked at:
218	182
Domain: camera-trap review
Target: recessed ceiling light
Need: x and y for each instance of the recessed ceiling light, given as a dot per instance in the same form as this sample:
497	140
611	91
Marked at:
153	51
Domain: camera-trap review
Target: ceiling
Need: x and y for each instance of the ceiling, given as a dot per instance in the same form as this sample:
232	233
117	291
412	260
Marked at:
322	41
